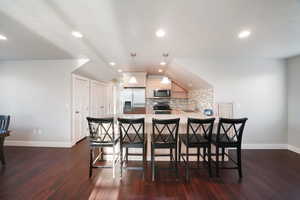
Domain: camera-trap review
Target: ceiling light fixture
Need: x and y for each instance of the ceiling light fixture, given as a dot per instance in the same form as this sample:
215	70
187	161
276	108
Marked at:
132	80
112	63
160	33
2	37
165	80
77	34
244	34
120	70
160	70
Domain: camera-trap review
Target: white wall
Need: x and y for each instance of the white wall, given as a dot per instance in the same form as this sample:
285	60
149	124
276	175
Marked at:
294	101
257	87
37	94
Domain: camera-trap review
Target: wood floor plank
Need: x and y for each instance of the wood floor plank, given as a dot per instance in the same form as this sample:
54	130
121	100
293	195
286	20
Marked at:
62	173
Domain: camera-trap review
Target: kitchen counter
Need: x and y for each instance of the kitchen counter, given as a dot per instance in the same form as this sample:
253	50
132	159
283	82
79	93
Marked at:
178	112
175	114
148	129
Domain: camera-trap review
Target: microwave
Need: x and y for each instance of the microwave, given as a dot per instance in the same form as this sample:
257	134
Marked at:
162	93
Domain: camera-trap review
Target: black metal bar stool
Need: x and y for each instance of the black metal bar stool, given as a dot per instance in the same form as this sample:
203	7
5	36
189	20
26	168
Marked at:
229	135
132	135
102	135
199	132
164	136
4	124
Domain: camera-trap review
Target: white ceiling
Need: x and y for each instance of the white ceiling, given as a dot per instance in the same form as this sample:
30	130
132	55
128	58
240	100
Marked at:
24	44
113	28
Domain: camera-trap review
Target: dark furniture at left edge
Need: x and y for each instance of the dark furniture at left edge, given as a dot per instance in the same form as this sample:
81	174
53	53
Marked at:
4	124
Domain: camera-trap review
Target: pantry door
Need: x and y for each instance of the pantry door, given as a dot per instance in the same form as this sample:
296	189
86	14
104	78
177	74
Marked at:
81	107
98	99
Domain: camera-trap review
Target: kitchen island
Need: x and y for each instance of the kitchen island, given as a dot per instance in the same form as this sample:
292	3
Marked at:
148	129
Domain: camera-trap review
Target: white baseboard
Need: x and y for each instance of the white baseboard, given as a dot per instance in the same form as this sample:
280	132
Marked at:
294	149
69	144
37	143
264	146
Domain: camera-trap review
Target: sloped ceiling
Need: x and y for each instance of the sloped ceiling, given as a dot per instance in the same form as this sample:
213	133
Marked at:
113	28
24	44
97	70
186	78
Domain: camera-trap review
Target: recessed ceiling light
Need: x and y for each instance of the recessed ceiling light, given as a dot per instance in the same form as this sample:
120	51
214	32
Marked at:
2	37
160	33
112	63
244	34
77	34
120	70
160	70
163	63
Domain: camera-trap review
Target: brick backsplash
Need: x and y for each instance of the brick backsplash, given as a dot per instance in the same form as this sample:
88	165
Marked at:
181	104
204	98
197	100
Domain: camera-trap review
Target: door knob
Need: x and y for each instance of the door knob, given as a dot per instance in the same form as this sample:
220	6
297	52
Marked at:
77	112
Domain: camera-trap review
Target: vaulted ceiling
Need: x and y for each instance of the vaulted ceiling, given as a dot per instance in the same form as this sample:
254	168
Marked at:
113	28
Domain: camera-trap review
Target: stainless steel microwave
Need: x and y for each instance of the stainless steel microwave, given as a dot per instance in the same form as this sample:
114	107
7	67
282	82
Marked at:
162	93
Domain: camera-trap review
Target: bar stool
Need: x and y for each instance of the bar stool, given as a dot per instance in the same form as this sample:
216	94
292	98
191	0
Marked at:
132	135
102	135
4	124
199	132
229	135
164	136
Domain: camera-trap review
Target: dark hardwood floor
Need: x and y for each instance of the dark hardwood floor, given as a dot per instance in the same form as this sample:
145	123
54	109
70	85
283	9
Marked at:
59	173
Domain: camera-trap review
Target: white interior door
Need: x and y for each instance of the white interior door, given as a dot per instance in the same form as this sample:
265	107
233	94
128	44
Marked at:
109	104
81	110
98	99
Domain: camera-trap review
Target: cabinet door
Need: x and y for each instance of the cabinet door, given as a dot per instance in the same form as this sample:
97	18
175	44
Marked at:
178	92
177	88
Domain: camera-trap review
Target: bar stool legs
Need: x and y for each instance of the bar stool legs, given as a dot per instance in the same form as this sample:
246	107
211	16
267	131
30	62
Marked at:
2	158
223	154
239	158
187	175
153	164
209	160
176	163
91	163
121	162
217	161
114	164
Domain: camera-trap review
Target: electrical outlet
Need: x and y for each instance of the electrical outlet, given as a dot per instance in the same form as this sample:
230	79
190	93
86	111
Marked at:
37	131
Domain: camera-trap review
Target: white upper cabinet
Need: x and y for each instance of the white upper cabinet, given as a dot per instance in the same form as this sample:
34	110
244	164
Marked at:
134	79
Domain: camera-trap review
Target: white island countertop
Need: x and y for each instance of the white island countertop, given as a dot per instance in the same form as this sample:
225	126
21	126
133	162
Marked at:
148	117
